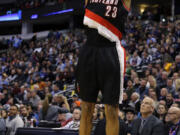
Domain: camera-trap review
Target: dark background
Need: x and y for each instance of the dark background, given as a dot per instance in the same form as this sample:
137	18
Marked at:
62	21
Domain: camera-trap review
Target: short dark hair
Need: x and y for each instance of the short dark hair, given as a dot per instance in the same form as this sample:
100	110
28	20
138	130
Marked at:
77	107
15	106
130	109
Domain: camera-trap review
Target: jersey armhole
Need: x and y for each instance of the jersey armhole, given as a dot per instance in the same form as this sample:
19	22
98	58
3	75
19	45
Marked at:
125	6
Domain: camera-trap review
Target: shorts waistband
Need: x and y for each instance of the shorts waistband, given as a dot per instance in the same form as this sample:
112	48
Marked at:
95	39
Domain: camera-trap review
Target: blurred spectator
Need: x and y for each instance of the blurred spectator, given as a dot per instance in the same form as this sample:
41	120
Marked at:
13	121
154	97
176	104
135	60
4	114
3	98
28	119
55	89
136	82
177	84
75	123
2	125
24	115
22	95
162	102
171	89
62	117
16	89
33	113
162	80
151	82
17	42
177	61
169	100
146	59
96	115
35	99
142	90
135	101
49	111
75	101
161	112
147	124
125	102
163	94
130	116
129	89
173	118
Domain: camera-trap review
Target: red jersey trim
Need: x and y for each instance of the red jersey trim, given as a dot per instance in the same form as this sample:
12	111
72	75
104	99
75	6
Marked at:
128	9
103	22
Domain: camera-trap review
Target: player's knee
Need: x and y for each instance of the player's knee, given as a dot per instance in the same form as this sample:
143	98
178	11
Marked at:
111	111
87	107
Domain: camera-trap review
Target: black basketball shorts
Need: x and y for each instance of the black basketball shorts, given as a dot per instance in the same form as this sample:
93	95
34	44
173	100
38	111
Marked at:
98	69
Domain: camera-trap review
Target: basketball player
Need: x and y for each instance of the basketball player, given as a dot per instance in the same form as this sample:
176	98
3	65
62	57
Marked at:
101	62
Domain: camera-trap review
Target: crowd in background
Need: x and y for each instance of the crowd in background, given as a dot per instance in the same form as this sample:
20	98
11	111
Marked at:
25	4
29	4
37	77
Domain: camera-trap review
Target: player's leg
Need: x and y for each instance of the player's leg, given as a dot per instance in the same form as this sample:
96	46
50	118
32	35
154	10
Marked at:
86	78
86	118
109	83
112	120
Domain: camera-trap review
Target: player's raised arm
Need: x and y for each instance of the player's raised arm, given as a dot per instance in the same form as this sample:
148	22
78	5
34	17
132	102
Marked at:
127	3
86	1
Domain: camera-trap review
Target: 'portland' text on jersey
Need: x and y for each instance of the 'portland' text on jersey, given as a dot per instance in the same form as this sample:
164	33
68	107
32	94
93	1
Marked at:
106	2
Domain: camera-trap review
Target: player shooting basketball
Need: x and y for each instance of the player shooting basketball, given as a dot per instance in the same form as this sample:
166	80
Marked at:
101	62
